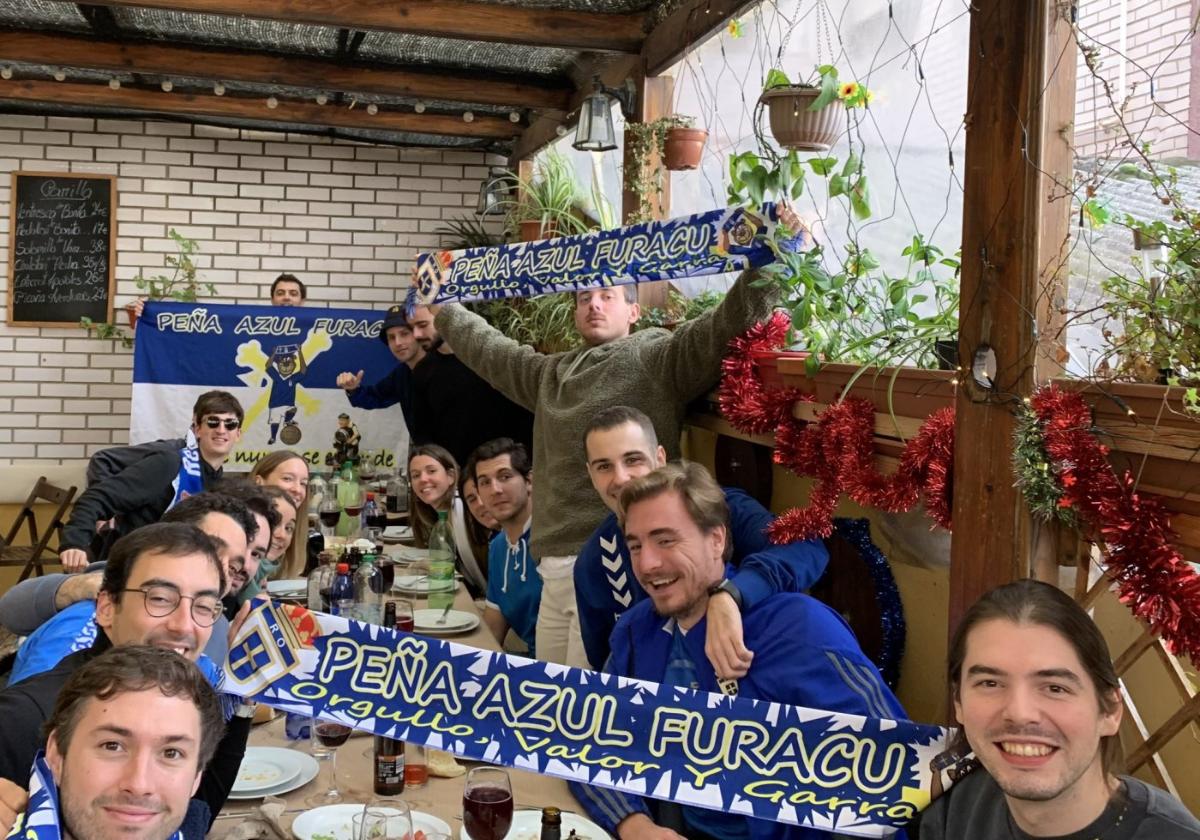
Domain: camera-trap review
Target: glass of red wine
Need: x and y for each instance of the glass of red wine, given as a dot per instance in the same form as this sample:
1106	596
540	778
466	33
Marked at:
487	804
329	513
330	736
404	616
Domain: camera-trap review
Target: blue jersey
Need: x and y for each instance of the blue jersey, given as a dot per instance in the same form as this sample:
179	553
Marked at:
804	655
283	388
514	586
605	586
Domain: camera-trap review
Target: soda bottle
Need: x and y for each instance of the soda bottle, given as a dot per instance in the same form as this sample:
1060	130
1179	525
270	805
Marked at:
368	591
320	582
374	520
389	766
341	598
441	564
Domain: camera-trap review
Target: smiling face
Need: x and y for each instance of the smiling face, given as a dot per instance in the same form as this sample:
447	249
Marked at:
674	560
126	620
430	481
291	477
404	345
478	508
1033	716
604	315
257	549
130	768
504	490
421	321
618	455
232	543
281	537
214	437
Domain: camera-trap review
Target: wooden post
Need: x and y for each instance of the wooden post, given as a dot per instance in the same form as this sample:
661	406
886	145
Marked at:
653	102
1016	206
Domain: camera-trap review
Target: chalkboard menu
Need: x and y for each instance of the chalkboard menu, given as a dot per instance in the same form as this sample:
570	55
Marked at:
61	248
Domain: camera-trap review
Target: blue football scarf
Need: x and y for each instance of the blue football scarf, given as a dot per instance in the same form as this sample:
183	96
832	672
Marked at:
190	480
41	819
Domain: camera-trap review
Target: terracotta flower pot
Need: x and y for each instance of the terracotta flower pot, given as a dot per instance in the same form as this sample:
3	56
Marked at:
532	230
796	127
131	313
683	148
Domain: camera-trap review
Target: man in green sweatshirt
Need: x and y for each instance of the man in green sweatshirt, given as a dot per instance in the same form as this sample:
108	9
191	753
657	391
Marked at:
654	370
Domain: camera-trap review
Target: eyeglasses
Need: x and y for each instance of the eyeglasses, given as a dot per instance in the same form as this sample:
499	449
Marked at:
231	423
161	601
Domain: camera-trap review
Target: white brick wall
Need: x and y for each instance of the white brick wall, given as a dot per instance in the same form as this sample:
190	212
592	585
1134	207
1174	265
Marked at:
345	218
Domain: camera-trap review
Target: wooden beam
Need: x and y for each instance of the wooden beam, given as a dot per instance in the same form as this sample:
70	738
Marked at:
161	59
1015	49
541	27
654	100
692	23
209	105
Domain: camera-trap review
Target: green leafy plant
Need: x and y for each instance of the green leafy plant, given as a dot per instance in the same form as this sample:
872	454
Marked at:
647	141
550	197
679	308
181	284
546	322
466	232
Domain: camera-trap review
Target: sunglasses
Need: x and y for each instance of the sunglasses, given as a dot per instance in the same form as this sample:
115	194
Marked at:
230	423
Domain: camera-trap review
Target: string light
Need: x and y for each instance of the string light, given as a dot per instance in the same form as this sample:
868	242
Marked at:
5	72
514	117
219	89
272	102
168	85
560	130
372	109
59	75
468	116
322	99
115	84
419	107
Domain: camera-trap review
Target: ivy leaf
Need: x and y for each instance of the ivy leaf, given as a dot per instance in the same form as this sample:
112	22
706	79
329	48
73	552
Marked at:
822	166
775	78
859	202
829	89
1096	214
837	186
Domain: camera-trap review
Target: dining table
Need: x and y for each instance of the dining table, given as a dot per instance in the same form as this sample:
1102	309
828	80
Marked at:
441	797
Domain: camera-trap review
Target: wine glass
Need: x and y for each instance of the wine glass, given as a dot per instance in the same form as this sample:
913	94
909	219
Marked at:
329	513
352	505
330	736
383	818
366	467
487	804
404	615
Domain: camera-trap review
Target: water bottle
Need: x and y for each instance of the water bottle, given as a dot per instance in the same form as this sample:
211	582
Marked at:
374	520
441	564
320	583
341	598
397	493
368	591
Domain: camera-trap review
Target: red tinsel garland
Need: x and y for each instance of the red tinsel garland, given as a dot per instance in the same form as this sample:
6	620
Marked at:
838	449
1153	579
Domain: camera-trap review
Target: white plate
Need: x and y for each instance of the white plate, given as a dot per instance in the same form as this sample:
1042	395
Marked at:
263	769
414	584
527	825
457	621
336	821
410	553
299	586
397	532
308	768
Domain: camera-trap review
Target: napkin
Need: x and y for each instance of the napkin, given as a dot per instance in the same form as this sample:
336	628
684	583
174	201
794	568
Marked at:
263	823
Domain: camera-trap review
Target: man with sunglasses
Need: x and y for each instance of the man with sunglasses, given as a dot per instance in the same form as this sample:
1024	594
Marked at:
150	486
162	586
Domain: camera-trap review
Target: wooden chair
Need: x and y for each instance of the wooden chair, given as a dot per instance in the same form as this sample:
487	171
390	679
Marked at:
31	556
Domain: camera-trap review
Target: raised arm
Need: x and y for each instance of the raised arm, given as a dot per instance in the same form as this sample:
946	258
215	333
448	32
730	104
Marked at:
512	368
693	356
136	486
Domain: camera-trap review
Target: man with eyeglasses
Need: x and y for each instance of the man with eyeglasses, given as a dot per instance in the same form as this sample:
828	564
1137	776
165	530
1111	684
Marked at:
143	491
162	586
57	612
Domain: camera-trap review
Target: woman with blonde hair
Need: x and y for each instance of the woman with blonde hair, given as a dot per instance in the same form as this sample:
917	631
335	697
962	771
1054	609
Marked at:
433	478
287	471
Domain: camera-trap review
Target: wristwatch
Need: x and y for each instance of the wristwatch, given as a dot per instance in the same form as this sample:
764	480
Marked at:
727	586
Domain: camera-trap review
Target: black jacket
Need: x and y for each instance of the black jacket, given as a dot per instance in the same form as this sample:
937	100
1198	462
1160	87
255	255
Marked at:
26	706
138	495
456	408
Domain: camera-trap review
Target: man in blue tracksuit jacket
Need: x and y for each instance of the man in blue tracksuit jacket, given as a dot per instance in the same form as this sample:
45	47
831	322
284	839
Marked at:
804	654
621	445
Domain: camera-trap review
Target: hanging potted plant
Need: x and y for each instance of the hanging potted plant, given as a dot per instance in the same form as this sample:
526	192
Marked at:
546	205
683	144
809	117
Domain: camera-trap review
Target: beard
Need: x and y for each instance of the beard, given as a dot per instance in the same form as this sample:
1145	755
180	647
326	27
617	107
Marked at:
79	820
